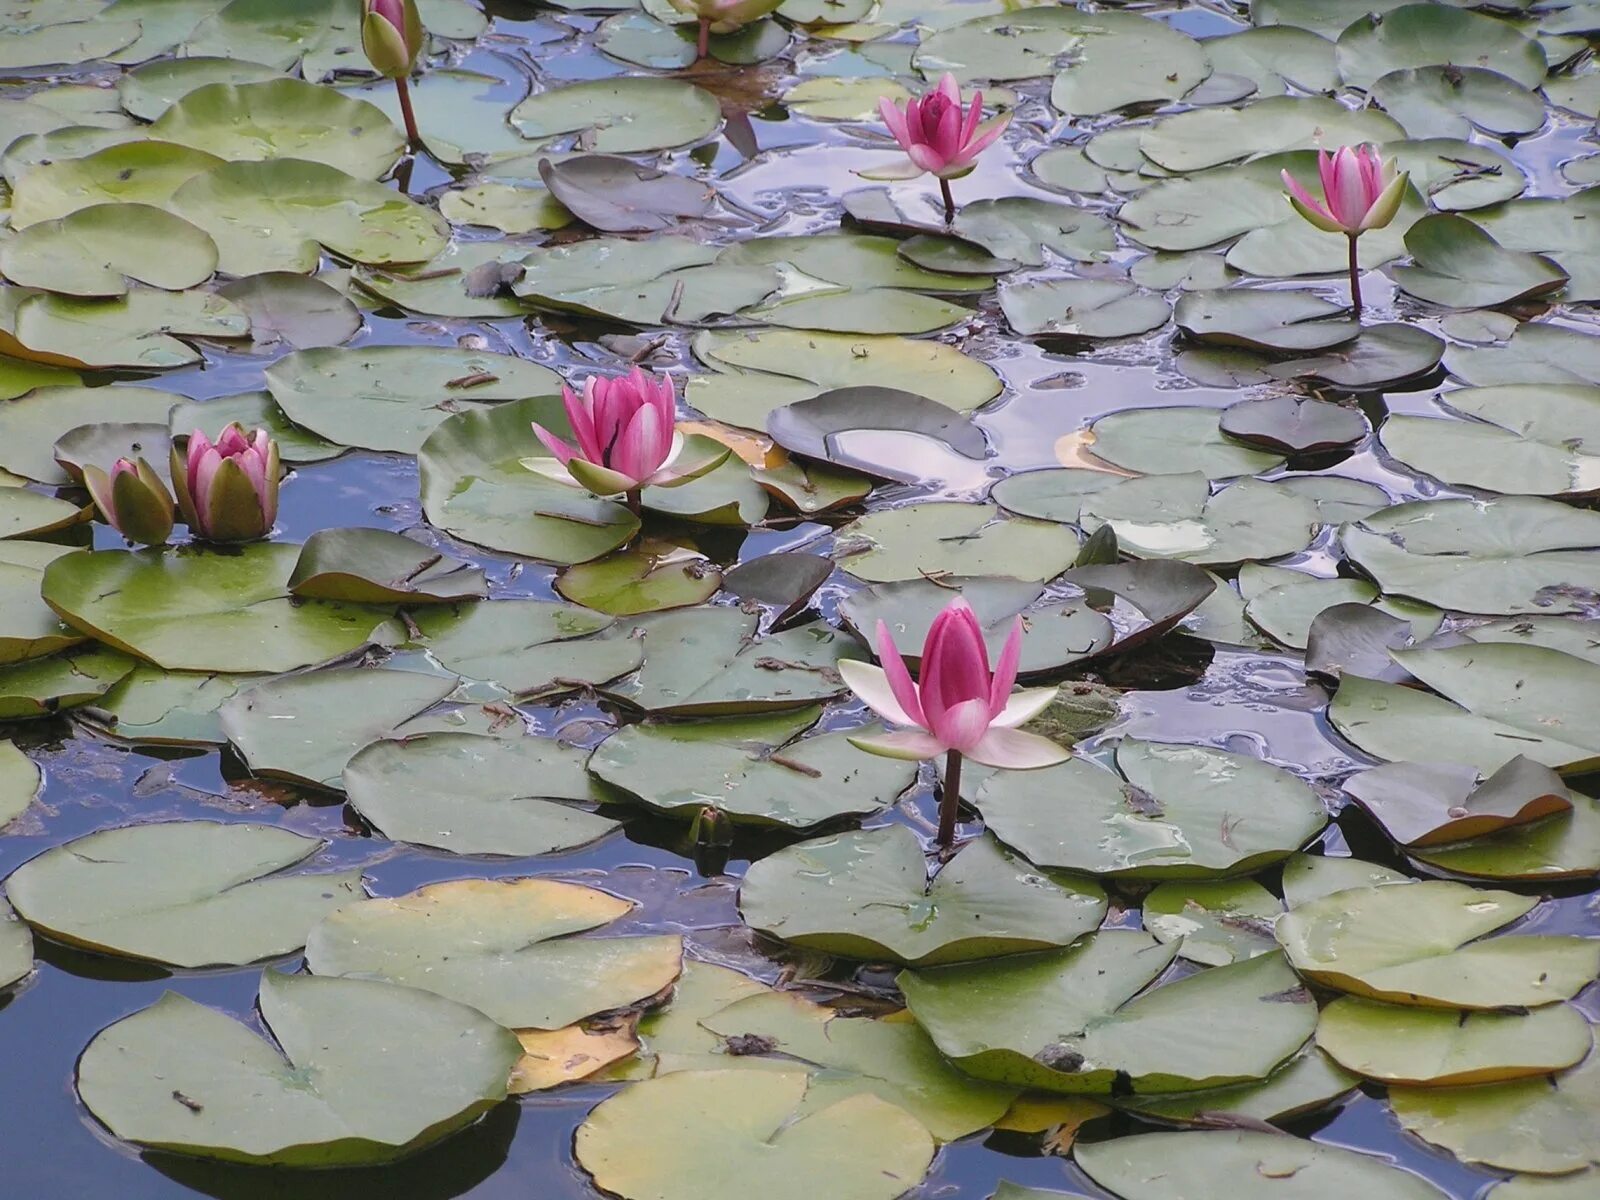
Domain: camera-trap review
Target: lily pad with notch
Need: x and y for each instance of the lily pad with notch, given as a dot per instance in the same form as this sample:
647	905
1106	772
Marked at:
936	539
615	195
783	582
1294	424
1176	516
1081	308
1429	803
1213	922
1265	320
815	426
625	115
1459	265
43	687
1178	439
374	566
641	579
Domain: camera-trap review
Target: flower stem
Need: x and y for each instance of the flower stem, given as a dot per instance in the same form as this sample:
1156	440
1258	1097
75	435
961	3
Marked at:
949	799
1355	278
403	87
949	202
705	38
634	500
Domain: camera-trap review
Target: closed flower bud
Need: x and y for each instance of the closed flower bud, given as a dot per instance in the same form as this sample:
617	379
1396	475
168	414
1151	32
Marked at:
391	36
228	490
133	500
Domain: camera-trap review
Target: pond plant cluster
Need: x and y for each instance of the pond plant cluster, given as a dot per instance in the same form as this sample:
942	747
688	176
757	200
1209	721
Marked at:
461	469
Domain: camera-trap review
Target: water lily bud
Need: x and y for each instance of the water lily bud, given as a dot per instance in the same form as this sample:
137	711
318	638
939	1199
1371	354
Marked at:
712	836
727	15
133	500
228	490
391	36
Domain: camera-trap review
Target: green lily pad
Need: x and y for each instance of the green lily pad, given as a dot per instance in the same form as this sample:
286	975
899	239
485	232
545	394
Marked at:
305	728
652	1141
642	579
1437	1047
1535	353
150	89
1073	1020
503	206
20	784
625	115
205	611
1458	265
393	397
1276	57
16	948
303	207
1421	35
141	172
133	330
283	118
1086	308
28	629
463	280
253	410
1175	812
1265	320
469	794
1308	877
474	485
826	427
1294	424
1244	1163
1416	945
527	647
809	488
296	311
1451	101
96	251
174	708
1548	1126
68	43
1510	554
374	566
502	946
617	195
943	539
757	770
1429	803
182	893
867	894
461	114
26	514
1191	212
709	662
1175	516
1563	846
45	686
178	1076
1160	440
1306	1083
1209	137
1022	228
639	38
1214	923
18	378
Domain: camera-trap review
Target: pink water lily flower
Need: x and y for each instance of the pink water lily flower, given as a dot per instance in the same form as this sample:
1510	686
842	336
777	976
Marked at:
959	708
133	500
627	438
1360	191
228	489
939	136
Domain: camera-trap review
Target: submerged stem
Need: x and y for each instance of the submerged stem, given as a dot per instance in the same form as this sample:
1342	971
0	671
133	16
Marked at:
949	201
414	138
1355	277
705	37
949	799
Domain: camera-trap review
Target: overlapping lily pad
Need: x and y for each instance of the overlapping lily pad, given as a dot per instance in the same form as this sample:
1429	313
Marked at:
922	540
619	116
20	783
374	566
528	647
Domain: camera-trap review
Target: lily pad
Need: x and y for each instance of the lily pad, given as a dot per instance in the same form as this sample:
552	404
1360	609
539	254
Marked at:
296	311
1258	319
867	894
16	948
1022	228
643	579
182	893
624	115
27	514
142	172
1213	923
469	794
1306	1083
502	946
20	784
1175	516
1294	424
205	611
253	410
1437	1047
1535	353
1563	846
651	1141
615	195
1429	803
941	539
1458	265
1159	440
151	88
824	427
1450	101
46	686
178	1076
1085	308
133	330
1416	945
28	629
1420	35
176	708
96	251
1209	137
374	566
305	728
1073	1020
1175	812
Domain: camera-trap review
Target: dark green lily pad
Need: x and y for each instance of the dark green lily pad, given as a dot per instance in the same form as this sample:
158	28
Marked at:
45	686
641	579
1294	424
615	195
374	566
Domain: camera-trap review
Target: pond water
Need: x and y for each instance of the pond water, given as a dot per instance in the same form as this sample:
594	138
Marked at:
1221	682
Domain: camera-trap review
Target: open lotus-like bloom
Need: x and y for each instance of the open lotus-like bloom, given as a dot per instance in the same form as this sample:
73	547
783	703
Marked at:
1359	191
391	36
959	705
228	490
132	500
626	430
938	136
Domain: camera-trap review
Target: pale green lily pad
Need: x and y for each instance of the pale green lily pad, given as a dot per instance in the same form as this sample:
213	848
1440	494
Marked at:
502	946
1451	101
1416	945
321	35
1437	1047
503	206
757	770
182	893
1458	265
832	98
867	894
1420	35
1306	1083
393	397
620	116
1245	1164
1213	923
709	662
469	794
134	330
1073	1020
20	784
295	311
1158	440
16	947
944	539
439	287
641	579
1183	812
181	1077
1175	516
96	251
1276	57
18	378
149	90
205	611
28	628
175	708
283	118
31	426
527	647
1511	554
374	566
1548	1126
1257	319
65	44
303	207
476	486
1022	228
1087	308
141	172
461	114
1563	846
1209	137
652	1141
45	686
254	410
305	728
1535	353
27	514
1191	212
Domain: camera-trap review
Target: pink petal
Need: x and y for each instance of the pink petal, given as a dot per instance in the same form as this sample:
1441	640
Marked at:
206	471
642	445
962	725
199	444
914	130
1013	750
950	89
946	139
895	119
1005	670
562	451
925	157
974	115
984	140
871	686
1347	201
1306	198
1325	171
894	666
